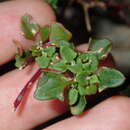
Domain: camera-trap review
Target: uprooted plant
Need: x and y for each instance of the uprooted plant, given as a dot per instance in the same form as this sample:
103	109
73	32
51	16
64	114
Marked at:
62	66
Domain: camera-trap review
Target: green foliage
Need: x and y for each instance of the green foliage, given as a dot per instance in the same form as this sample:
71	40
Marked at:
58	32
20	60
52	3
79	107
110	78
63	67
43	61
44	33
29	28
101	47
67	54
51	86
72	96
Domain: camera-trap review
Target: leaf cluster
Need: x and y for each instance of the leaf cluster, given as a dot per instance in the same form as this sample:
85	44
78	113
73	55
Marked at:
63	67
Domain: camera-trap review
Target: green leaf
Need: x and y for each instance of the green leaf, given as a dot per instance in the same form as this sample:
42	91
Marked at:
89	62
29	28
79	107
58	32
92	89
94	79
61	66
67	53
76	68
87	90
21	59
43	61
44	33
72	96
110	78
82	90
81	78
50	50
50	86
102	47
63	43
52	3
36	52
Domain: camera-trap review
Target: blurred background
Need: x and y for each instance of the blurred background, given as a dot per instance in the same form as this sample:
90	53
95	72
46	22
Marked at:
96	19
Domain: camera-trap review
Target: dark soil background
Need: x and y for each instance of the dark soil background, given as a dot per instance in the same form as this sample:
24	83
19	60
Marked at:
105	24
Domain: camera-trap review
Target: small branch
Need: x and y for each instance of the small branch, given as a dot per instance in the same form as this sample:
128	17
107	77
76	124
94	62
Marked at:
47	45
51	70
87	19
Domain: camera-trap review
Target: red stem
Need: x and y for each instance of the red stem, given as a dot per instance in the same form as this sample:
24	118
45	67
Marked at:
51	70
27	87
47	45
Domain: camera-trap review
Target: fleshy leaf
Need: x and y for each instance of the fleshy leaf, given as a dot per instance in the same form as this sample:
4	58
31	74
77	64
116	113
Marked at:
79	107
58	32
43	61
50	86
81	78
110	78
72	96
61	66
29	28
92	89
76	68
94	79
102	47
82	90
89	62
52	3
87	90
44	33
63	43
21	59
36	52
50	50
67	53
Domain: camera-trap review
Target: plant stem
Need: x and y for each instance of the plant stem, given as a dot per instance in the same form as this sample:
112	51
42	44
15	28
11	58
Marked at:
27	87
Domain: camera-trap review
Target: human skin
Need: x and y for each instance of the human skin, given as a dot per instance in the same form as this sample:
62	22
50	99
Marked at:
111	114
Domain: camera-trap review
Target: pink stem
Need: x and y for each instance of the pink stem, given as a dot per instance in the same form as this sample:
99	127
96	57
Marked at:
26	88
51	70
46	45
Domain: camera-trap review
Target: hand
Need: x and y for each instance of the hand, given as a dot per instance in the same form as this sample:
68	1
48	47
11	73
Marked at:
112	114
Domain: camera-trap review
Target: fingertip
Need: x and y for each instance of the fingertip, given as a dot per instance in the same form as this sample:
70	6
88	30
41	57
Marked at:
10	15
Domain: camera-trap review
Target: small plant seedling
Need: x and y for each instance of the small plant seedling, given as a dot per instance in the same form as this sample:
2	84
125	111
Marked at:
62	67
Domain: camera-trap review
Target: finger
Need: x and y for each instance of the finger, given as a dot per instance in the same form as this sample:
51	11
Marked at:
112	114
11	85
33	112
10	15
